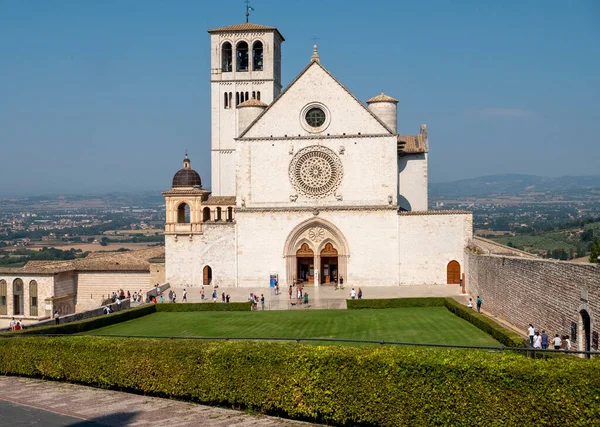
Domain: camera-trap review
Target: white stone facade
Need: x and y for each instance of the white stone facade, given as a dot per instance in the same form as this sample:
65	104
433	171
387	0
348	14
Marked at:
321	186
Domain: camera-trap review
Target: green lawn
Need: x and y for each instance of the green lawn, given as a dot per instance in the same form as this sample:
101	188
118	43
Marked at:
419	325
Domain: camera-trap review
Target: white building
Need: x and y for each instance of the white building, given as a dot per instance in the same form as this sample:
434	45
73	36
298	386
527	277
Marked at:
309	184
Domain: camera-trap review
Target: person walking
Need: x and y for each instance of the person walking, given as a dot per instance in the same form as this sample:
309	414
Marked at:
544	340
359	293
531	331
470	303
290	292
341	283
557	342
202	294
568	345
214	295
56	317
537	341
184	299
223	297
227	298
262	301
174	297
352	293
171	296
478	301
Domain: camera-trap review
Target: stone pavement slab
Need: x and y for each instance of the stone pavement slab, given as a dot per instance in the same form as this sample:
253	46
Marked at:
23	401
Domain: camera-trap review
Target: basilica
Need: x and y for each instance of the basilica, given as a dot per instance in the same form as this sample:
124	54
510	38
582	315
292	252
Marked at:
309	184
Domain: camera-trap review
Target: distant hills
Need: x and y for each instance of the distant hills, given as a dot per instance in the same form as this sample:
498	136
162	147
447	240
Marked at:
512	184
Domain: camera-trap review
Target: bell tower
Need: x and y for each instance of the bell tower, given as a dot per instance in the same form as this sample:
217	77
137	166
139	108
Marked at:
245	64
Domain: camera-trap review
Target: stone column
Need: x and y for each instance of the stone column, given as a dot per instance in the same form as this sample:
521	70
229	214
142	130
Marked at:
343	268
317	261
290	269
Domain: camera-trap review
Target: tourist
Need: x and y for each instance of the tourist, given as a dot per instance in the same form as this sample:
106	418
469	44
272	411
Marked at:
299	293
214	295
544	340
305	298
568	345
171	295
13	323
227	298
128	295
342	282
290	291
223	297
162	299
18	325
107	309
352	293
202	294
359	293
184	299
56	317
557	342
537	340
478	301
470	304
157	288
262	301
153	300
135	297
174	297
531	331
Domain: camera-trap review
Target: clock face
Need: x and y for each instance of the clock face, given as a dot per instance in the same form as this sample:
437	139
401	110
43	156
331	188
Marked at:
315	117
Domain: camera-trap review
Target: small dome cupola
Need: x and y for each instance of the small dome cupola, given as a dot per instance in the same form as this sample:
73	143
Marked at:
386	109
248	111
187	177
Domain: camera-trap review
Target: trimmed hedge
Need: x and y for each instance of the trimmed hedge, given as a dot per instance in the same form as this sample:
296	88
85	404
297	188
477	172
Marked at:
500	333
205	306
355	304
331	384
93	323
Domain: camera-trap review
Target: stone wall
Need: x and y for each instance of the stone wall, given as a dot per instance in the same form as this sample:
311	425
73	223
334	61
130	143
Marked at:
428	241
93	286
550	294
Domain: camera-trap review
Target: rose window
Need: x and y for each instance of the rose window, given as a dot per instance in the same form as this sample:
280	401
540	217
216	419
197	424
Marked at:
316	171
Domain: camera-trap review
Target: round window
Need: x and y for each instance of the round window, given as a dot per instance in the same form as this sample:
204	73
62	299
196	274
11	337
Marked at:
315	117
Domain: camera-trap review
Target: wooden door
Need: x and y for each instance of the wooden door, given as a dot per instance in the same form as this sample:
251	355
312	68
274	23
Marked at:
453	273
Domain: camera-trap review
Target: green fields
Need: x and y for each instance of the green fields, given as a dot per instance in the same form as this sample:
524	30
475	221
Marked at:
435	325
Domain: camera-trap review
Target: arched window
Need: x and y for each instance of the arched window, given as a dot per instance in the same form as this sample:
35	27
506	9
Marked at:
226	58
33	298
258	95
257	56
230	214
3	303
237	99
229	99
18	302
253	95
242	56
206	214
226	102
183	213
206	276
246	98
218	215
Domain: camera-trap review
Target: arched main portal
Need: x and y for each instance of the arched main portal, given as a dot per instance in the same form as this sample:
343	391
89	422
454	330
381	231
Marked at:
316	252
453	273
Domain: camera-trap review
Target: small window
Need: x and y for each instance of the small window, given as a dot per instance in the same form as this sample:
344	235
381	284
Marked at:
258	95
3	290
226	102
33	295
206	214
253	95
315	117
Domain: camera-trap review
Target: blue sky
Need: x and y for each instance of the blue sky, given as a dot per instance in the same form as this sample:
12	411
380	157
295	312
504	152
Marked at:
100	96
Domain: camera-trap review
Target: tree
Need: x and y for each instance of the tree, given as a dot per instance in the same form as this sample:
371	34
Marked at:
595	251
104	241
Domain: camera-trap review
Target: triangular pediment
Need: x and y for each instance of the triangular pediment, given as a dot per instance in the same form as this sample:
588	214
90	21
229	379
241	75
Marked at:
315	86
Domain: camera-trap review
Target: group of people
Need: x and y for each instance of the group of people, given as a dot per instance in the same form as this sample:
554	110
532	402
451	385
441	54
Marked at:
478	303
15	325
353	293
121	295
254	299
542	341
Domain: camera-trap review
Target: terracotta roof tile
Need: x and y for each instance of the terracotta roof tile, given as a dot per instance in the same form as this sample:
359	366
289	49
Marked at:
220	200
412	144
382	97
252	103
246	26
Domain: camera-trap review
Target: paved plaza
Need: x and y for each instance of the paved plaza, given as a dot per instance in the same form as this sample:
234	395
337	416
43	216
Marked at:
29	402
